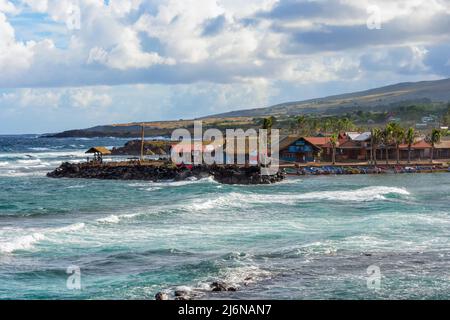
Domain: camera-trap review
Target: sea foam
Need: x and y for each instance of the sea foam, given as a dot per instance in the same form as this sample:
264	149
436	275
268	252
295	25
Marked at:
21	243
27	242
363	194
116	218
237	200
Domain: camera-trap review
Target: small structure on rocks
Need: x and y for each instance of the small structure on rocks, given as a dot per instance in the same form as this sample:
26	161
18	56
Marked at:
98	152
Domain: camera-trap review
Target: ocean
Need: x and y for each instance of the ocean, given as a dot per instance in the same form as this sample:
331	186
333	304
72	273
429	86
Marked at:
323	237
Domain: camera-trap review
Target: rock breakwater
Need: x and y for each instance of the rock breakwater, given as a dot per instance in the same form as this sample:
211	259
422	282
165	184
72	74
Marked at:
148	172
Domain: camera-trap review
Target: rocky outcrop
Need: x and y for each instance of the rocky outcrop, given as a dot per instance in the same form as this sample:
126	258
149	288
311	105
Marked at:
243	175
167	171
221	286
161	296
187	293
126	172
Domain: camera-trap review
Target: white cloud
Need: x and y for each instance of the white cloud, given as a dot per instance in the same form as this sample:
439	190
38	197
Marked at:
179	26
88	98
196	57
127	53
326	68
47	98
8	7
14	56
131	43
30	98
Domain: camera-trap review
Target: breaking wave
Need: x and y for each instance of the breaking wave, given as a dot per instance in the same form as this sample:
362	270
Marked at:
27	242
117	218
21	243
363	194
235	199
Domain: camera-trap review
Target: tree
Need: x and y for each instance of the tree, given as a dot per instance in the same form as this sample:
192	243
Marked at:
326	125
435	138
398	136
446	117
313	125
301	121
387	139
376	138
410	137
273	121
267	123
345	124
334	142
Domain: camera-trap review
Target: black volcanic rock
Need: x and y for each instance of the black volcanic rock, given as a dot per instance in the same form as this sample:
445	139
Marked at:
221	286
222	174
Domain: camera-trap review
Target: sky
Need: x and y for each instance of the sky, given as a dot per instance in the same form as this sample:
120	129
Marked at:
68	64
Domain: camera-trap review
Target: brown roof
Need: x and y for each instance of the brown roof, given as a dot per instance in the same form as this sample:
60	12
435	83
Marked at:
350	144
287	141
422	144
318	141
444	144
101	150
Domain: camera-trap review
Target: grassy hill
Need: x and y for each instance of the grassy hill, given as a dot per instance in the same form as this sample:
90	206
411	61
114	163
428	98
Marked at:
409	101
368	100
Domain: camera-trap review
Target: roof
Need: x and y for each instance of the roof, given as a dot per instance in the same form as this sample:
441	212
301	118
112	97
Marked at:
353	135
350	145
289	140
363	136
318	141
101	150
422	144
444	144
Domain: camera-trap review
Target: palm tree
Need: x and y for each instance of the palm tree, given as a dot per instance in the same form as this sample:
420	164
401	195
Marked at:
273	121
376	137
334	142
301	121
345	124
313	125
267	123
410	138
387	139
435	138
398	136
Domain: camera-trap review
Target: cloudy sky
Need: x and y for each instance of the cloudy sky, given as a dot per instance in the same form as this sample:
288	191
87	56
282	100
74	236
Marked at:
76	63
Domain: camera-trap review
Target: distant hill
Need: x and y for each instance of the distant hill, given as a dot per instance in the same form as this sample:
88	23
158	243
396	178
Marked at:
370	100
407	92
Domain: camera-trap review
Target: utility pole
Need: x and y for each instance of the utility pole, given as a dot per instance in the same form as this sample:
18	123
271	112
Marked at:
142	142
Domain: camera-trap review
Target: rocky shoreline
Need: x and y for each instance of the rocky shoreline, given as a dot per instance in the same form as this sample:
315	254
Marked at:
148	172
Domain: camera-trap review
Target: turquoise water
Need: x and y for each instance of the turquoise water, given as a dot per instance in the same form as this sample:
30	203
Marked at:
305	238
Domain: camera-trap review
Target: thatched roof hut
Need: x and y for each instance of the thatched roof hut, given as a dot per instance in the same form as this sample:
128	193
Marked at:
100	150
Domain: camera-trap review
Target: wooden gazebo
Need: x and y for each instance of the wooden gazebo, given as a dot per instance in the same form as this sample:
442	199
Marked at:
98	152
